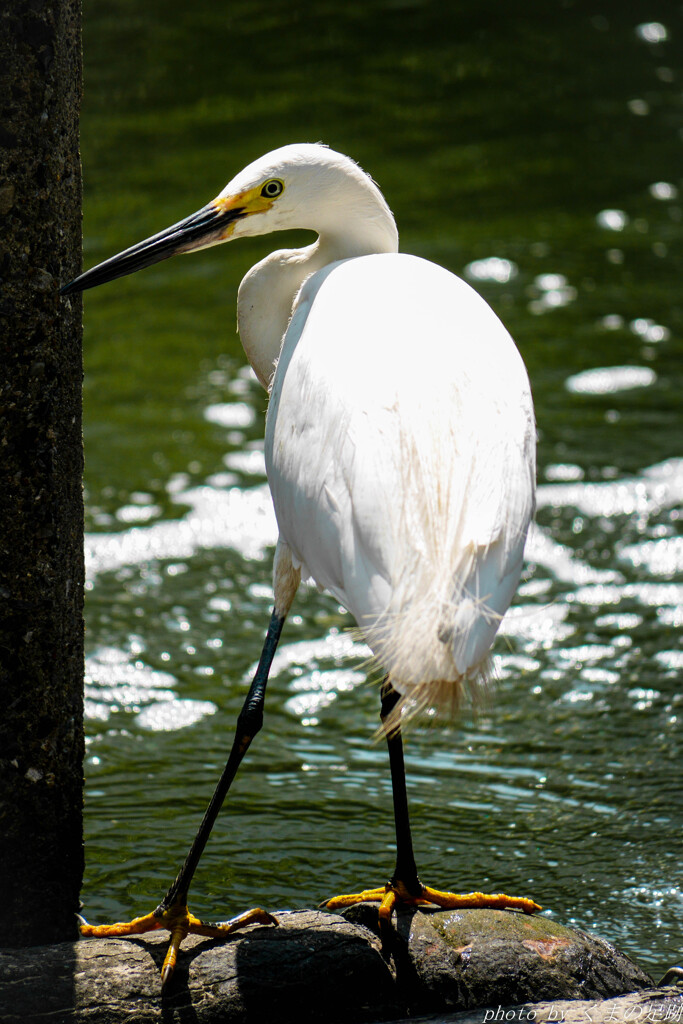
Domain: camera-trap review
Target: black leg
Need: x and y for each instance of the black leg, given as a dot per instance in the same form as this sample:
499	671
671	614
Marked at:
172	913
405	872
404	886
248	724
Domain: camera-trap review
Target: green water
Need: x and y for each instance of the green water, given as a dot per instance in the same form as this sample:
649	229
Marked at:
535	148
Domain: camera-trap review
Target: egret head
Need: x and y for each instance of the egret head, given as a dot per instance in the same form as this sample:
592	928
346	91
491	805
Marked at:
299	186
302	185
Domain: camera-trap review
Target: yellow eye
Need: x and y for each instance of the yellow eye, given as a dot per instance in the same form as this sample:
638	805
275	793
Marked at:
272	189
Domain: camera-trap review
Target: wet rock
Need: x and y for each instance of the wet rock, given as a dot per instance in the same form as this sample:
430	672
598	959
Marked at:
317	968
469	958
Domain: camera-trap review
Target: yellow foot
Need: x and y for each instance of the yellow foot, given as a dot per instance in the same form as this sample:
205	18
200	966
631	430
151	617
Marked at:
397	893
179	922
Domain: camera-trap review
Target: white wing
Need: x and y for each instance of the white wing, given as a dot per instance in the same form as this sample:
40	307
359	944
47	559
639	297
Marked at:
400	455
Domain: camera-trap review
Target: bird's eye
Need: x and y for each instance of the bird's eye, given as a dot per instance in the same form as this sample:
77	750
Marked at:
272	188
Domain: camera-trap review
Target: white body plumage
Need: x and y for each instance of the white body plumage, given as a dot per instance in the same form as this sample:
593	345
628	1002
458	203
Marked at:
400	455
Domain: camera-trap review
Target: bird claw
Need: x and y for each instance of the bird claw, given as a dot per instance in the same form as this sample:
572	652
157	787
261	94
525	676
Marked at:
396	893
180	922
349	899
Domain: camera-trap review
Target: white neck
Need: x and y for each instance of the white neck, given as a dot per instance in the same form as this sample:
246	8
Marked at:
268	292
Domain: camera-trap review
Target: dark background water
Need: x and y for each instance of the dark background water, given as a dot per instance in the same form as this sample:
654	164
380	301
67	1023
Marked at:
535	148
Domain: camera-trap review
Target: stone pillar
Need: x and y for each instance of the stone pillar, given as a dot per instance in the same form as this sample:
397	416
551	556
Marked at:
41	461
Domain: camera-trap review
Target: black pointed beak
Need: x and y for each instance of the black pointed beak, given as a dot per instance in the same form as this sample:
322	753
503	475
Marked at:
203	228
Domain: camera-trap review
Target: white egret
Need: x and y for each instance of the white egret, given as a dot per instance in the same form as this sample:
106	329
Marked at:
400	451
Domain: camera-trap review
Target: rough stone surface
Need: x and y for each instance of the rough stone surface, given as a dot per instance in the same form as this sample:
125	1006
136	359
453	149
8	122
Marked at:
317	968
